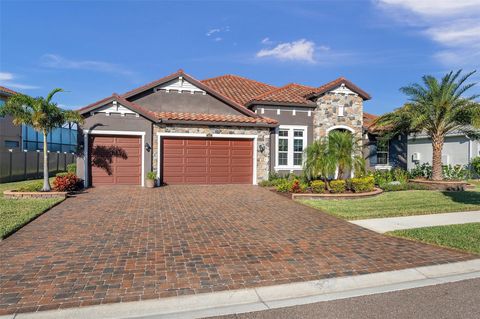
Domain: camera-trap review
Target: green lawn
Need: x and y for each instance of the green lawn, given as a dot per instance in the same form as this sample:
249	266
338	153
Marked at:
465	237
402	203
14	213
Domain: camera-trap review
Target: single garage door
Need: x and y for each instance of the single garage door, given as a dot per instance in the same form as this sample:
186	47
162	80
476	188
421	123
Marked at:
207	161
115	160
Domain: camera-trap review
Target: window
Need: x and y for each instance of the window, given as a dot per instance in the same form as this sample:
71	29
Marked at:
283	147
63	139
12	144
382	152
291	143
341	110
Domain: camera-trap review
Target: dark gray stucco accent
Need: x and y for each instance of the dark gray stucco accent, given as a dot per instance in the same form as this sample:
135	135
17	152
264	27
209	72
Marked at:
397	151
116	122
161	101
286	117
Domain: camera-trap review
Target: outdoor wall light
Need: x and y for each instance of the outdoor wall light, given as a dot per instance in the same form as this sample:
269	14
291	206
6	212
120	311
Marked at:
261	148
147	147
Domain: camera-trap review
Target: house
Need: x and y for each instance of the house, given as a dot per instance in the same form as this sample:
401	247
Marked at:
226	129
383	154
19	158
458	149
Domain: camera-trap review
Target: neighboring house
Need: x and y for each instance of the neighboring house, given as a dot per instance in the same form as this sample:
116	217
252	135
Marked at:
10	135
226	129
457	149
383	154
19	144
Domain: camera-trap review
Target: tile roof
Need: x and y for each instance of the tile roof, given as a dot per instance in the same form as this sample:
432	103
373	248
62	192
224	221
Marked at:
213	118
7	90
333	84
290	93
368	119
238	88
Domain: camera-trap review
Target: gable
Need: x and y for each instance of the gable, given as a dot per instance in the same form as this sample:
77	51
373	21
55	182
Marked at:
342	89
184	101
179	85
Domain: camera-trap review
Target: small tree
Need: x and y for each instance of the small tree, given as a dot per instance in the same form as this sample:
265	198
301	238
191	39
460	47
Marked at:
436	108
43	115
319	163
346	149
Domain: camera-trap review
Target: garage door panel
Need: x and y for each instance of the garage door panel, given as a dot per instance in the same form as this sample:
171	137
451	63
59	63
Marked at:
207	161
196	152
196	143
117	159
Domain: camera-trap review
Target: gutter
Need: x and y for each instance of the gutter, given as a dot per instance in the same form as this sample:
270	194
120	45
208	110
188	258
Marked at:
211	123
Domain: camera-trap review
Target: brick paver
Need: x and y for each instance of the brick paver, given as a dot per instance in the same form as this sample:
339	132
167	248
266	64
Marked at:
126	243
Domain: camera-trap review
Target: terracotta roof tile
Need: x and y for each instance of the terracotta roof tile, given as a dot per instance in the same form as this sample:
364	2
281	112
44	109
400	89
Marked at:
290	93
368	119
7	90
213	118
333	84
237	88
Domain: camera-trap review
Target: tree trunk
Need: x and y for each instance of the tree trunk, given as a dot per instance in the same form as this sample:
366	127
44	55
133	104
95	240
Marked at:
46	182
437	145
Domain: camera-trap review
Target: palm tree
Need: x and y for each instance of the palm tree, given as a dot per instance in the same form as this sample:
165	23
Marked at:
319	163
43	115
436	108
346	149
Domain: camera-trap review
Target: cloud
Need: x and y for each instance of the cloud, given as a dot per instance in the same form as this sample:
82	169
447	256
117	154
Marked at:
58	62
217	31
212	31
454	25
300	50
266	41
434	8
7	80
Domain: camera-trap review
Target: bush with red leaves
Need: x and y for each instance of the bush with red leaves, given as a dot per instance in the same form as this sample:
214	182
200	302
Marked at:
67	182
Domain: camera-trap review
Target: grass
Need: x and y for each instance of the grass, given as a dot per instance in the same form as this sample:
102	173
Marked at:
15	213
465	236
402	203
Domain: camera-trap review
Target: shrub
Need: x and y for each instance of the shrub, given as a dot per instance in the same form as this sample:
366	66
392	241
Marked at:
297	186
338	186
152	175
72	168
397	186
31	187
421	171
382	177
66	182
475	164
317	186
399	175
457	172
363	184
283	186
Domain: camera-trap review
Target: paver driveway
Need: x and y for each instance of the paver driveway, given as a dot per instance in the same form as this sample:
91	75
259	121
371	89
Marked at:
123	243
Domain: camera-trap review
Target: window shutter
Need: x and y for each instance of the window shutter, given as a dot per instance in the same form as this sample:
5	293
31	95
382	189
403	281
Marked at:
373	153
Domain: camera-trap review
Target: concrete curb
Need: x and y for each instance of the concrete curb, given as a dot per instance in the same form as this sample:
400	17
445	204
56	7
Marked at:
263	298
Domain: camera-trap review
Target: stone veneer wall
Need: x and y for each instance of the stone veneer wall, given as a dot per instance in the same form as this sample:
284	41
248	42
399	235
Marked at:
263	138
326	113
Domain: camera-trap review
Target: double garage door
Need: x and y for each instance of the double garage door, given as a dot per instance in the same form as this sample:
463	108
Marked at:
207	161
118	160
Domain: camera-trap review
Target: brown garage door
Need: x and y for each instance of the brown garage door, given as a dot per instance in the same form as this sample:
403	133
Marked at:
115	160
207	161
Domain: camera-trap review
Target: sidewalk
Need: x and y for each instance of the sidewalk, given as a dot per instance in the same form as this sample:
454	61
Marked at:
270	297
383	225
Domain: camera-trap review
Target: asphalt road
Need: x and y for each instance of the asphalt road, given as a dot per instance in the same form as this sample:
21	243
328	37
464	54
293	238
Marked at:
453	300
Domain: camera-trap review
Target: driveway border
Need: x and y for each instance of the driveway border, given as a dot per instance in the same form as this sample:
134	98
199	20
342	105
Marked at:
264	298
